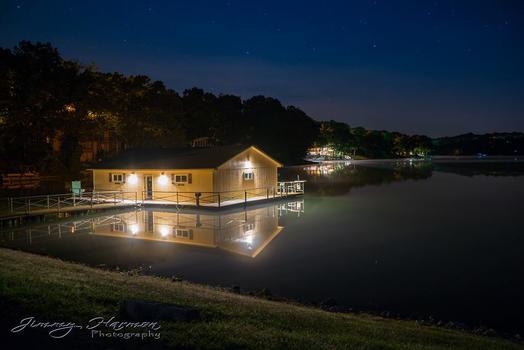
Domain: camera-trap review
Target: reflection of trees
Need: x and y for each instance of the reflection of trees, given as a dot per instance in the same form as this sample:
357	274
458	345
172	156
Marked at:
339	180
481	168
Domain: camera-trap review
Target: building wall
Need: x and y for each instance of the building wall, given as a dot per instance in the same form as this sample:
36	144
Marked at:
201	180
229	176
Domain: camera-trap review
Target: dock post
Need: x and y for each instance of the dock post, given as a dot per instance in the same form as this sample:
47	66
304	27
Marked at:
47	201
177	198
218	199
29	205
74	200
136	199
267	193
114	198
245	197
197	199
11	202
58	203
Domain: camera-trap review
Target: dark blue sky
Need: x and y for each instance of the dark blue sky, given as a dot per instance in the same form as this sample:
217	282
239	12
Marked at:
432	67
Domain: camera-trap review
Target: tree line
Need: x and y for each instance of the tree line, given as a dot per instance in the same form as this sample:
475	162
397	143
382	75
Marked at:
44	96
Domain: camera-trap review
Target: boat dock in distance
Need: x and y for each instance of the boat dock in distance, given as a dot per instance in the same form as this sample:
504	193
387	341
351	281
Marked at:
210	178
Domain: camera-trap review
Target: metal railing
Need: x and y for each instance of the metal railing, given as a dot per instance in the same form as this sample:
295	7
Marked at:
64	201
219	199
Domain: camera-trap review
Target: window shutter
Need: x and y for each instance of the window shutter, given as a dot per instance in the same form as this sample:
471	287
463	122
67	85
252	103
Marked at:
110	177
124	178
172	178
189	178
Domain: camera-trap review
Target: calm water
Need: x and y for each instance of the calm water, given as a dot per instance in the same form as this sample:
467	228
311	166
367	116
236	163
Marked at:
417	239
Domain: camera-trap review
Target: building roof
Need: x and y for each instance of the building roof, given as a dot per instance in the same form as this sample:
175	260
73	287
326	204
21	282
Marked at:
165	158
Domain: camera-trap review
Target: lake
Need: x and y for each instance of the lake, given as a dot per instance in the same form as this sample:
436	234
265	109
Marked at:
443	239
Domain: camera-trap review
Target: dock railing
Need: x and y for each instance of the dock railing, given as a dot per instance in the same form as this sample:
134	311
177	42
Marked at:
64	201
223	198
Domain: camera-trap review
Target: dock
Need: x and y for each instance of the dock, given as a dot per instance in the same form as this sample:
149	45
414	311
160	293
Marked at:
18	207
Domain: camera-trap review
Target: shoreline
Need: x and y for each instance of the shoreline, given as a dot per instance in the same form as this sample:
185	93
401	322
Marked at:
73	291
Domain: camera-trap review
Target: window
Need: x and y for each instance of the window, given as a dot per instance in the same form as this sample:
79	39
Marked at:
249	175
183	233
249	227
181	178
118	178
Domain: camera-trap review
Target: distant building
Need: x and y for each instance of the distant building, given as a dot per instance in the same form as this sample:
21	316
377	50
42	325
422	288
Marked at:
205	141
323	153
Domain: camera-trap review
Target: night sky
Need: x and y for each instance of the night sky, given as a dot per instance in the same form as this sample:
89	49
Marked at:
431	67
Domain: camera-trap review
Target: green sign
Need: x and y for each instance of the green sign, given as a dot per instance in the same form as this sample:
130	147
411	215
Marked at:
76	187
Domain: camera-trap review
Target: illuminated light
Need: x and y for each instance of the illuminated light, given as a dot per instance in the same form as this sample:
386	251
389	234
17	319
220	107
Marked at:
164	231
248	164
163	180
133	229
132	179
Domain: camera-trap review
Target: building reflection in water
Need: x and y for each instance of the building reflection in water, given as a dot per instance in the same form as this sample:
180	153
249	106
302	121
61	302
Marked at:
245	231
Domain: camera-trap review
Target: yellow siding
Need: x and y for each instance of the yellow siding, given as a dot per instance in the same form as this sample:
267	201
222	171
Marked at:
202	180
229	176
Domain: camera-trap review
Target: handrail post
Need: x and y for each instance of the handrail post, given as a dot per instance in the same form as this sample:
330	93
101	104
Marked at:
114	198
245	197
136	198
47	201
92	198
177	198
218	199
74	200
267	193
58	204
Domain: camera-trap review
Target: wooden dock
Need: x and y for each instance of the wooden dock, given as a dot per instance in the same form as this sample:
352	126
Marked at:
17	207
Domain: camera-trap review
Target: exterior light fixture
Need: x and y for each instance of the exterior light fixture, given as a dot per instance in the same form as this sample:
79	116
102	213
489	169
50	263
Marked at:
132	179
163	180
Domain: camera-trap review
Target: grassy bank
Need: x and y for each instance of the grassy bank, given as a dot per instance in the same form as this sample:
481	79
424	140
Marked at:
57	290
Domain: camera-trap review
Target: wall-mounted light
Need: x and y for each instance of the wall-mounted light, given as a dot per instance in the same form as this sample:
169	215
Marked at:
132	179
163	179
248	164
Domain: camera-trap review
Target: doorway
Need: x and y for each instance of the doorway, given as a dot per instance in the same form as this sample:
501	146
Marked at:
148	187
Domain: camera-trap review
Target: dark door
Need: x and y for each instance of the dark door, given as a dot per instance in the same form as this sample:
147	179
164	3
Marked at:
148	182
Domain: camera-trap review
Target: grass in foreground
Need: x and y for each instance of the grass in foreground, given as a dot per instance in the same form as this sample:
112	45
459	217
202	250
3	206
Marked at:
65	291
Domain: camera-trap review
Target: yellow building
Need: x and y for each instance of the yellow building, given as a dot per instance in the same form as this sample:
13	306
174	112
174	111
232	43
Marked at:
201	175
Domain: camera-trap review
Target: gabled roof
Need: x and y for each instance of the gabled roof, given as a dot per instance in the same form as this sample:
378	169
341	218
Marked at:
165	158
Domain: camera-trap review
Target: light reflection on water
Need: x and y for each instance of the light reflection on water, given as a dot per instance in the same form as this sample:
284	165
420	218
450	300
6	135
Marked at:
241	231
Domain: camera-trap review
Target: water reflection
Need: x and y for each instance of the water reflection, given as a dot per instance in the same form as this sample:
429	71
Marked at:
241	231
338	178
